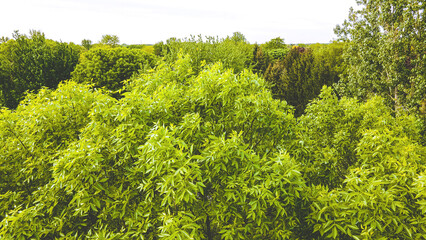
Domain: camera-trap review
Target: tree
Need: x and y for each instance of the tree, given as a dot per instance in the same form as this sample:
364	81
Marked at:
367	167
33	134
275	43
107	67
276	49
160	49
260	60
4	39
86	43
179	156
238	37
29	63
292	79
207	156
299	77
111	40
233	54
386	52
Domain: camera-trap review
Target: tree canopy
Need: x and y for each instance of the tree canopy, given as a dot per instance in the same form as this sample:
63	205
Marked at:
207	155
107	67
208	138
28	63
386	52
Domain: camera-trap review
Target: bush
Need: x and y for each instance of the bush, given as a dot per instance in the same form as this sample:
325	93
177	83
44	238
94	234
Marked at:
107	67
368	168
30	63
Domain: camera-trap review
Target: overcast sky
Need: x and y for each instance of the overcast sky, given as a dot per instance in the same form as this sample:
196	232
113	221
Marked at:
148	22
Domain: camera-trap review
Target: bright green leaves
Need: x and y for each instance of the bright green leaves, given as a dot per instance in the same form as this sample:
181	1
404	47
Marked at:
372	163
248	194
34	135
179	156
208	155
233	54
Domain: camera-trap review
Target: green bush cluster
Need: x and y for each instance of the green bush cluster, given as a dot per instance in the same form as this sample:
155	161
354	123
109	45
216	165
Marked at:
178	156
107	67
30	63
197	146
295	75
366	168
207	156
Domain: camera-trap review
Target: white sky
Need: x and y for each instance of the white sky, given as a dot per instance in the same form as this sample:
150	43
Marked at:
148	22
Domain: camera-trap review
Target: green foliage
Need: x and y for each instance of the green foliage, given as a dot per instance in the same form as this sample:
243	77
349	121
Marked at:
291	78
275	43
276	49
278	54
160	49
111	40
180	156
234	52
195	149
260	61
238	37
86	43
146	48
300	76
386	54
372	167
4	39
33	135
106	67
29	63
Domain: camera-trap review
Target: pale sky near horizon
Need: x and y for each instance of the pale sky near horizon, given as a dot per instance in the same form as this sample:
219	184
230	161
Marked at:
149	22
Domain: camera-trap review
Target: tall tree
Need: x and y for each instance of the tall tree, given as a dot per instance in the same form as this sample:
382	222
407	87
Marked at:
276	49
299	77
111	40
238	37
260	61
86	43
386	53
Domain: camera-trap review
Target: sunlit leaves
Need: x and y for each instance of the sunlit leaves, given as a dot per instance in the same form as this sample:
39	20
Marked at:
179	156
372	163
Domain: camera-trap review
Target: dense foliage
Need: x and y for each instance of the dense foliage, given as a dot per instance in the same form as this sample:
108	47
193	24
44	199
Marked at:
220	139
276	49
366	168
207	156
234	52
294	75
179	155
28	63
107	67
386	52
299	77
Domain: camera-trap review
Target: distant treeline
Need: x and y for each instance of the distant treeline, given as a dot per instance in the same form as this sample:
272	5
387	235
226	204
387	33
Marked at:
295	73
